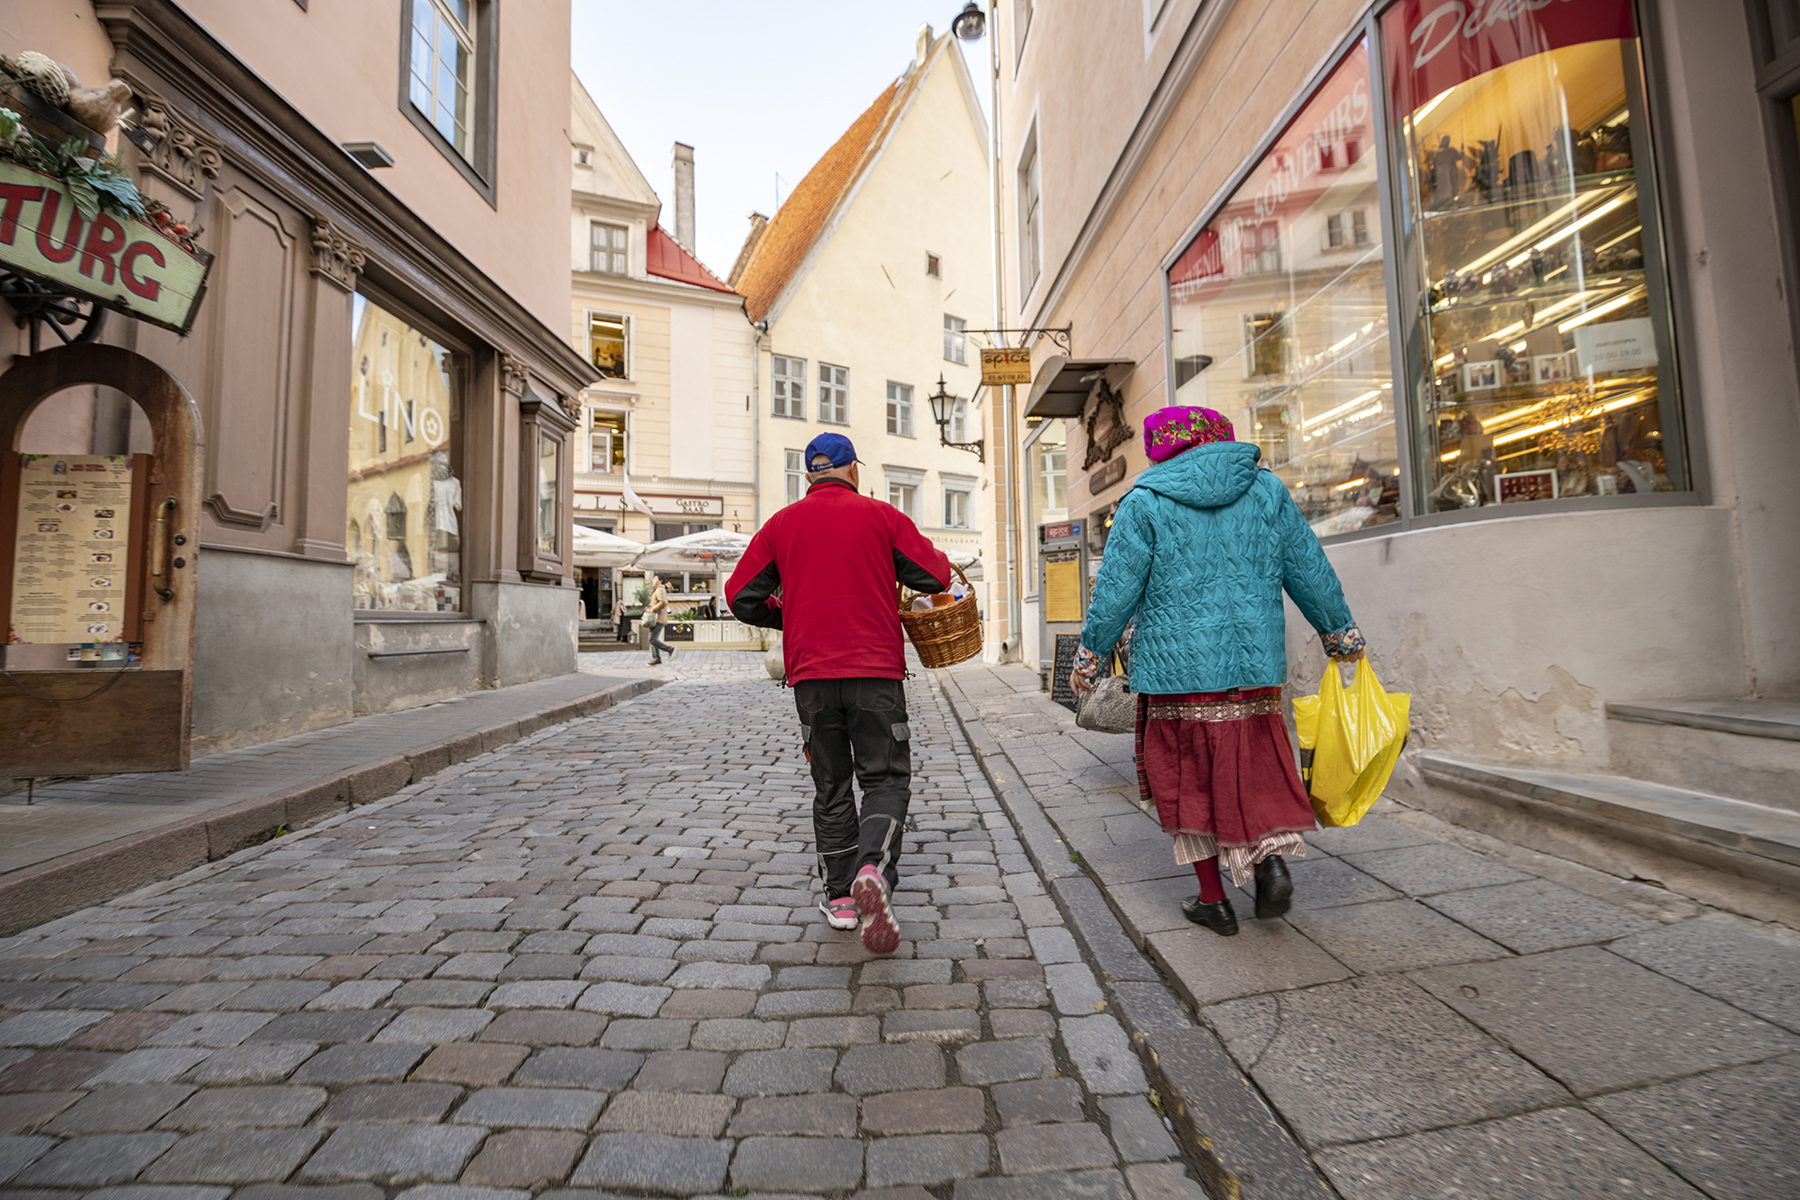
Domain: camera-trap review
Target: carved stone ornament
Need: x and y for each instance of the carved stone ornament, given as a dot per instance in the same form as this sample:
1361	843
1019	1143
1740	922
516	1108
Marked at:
178	153
571	405
1106	427
336	256
225	514
513	373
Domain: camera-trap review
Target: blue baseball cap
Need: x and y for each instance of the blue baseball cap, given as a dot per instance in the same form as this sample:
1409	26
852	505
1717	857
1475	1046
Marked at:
834	448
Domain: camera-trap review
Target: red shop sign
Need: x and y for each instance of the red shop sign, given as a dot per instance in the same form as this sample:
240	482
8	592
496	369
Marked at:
1433	45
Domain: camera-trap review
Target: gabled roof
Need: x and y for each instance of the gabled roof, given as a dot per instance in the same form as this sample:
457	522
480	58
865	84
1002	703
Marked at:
665	259
614	173
797	224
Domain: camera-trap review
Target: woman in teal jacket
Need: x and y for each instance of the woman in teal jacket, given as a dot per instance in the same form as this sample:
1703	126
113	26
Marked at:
1200	552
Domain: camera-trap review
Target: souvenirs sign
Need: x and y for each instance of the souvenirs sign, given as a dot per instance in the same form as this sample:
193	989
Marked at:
119	262
69	570
1003	366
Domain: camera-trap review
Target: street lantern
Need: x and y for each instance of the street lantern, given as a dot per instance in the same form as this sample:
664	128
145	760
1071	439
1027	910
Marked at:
970	23
943	410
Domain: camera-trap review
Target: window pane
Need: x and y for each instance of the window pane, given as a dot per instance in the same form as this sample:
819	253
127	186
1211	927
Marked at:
1545	356
608	443
607	345
404	527
1294	315
549	454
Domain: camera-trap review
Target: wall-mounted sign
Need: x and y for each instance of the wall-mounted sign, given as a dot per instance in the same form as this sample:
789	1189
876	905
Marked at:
1059	532
662	506
118	262
1001	367
1628	345
70	572
1106	476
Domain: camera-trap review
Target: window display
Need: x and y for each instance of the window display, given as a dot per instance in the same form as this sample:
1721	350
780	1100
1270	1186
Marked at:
1279	310
405	501
1531	255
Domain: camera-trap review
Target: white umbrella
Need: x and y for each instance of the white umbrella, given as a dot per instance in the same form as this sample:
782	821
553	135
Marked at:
970	563
597	548
696	553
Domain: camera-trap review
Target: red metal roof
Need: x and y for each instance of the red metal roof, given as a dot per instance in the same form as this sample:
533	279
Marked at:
665	259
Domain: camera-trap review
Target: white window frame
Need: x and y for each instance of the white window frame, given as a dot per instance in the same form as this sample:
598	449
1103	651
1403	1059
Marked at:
958	485
794	474
956	340
958	424
622	252
593	430
834	394
899	409
1031	214
461	134
909	482
787	387
625	325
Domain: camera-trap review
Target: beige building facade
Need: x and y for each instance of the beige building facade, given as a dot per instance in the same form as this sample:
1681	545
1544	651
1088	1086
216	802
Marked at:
671	412
864	288
386	403
1504	303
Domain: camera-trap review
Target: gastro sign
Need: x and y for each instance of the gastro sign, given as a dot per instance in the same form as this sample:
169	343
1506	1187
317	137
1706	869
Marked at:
1001	367
121	263
670	506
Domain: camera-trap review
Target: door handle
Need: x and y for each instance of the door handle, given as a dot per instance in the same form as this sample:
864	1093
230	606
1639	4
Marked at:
159	551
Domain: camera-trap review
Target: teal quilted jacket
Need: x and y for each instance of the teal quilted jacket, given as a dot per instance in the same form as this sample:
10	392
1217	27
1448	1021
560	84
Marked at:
1199	553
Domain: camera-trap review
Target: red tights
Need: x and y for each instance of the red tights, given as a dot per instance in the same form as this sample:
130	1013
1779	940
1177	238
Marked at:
1212	888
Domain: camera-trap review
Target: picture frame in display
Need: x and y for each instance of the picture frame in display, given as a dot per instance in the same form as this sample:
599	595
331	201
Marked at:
1483	376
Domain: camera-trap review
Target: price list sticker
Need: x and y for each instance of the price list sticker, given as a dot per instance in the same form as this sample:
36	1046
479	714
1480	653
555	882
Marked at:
69	569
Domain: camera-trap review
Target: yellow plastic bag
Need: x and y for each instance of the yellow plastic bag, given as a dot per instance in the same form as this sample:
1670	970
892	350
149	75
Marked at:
1350	739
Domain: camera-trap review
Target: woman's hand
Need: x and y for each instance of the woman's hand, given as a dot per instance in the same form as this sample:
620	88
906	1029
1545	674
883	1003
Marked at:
1087	668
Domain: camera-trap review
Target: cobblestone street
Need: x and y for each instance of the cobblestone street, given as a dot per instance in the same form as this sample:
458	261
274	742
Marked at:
593	960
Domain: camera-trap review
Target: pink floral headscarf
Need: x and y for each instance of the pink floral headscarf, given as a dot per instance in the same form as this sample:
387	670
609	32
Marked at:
1169	431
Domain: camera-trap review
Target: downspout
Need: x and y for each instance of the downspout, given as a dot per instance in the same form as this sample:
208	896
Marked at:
762	329
1013	646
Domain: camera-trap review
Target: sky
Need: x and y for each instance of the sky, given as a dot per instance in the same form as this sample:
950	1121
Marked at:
757	88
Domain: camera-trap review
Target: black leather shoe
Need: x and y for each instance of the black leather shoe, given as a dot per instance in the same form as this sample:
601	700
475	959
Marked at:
1274	888
1217	917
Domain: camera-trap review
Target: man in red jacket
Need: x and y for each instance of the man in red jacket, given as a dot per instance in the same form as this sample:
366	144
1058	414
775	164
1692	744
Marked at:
834	557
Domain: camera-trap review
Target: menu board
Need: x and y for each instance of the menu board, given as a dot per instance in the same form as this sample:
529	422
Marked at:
69	567
1062	585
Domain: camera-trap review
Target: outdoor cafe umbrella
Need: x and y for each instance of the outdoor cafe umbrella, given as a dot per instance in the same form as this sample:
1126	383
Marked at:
597	548
708	552
970	563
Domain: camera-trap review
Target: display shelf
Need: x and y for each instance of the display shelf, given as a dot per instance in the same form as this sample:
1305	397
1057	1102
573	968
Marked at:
1469	202
1610	281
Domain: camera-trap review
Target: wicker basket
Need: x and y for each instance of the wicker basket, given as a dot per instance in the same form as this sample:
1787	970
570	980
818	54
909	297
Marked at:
948	635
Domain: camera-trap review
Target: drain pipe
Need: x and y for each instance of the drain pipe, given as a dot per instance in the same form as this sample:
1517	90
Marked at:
762	330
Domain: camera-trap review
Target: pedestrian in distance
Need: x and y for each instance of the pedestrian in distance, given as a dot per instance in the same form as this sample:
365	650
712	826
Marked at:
823	570
1199	554
621	617
656	615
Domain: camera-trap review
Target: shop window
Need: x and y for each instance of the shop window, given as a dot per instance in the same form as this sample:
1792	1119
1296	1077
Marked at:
794	475
899	410
1296	327
405	493
545	430
609	345
1046	469
956	339
834	394
447	65
1545	366
609	249
787	387
606	442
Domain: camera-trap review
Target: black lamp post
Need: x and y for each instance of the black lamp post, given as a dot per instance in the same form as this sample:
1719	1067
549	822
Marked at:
970	23
943	410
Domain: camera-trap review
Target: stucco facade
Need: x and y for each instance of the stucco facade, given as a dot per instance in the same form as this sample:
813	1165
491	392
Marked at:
321	266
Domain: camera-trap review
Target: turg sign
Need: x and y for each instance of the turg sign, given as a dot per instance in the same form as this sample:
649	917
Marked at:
121	263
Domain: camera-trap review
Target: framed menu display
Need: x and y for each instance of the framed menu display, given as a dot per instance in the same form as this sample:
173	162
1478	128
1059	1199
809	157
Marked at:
71	571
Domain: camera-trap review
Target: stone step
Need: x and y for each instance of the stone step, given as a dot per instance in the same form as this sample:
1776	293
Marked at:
1747	749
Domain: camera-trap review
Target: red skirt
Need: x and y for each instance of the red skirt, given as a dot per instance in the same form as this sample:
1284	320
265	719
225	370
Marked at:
1219	765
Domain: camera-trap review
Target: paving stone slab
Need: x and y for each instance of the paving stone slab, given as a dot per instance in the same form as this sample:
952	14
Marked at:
390	1104
394	1155
928	1159
947	1028
1078	1185
1163	1181
323	1027
941	1110
672	1113
1347	1060
214	1029
246	1107
1558	1154
835	1031
474	1065
579	1066
429	1026
654	1162
356	1063
537	993
251	1064
623	999
47	1028
524	1158
1138	1130
1579	1014
823	1115
16	1153
867	1069
1038	1101
1370	833
1539	915
1003	1062
646	1034
531	1108
1103	1055
1265	956
129	1108
27	1113
1755	968
235	1156
92	1161
735	1034
1731	1131
768	1164
1036	1149
1392	935
1422	870
682	1071
780	1072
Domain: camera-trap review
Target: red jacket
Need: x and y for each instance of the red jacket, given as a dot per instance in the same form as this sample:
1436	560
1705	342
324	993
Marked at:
835	556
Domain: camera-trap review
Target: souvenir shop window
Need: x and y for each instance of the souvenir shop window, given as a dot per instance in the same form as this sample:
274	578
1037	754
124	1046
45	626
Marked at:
405	514
1544	365
1047	482
545	434
1279	310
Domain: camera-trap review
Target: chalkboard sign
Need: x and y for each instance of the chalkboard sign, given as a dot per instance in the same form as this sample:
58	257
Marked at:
1063	666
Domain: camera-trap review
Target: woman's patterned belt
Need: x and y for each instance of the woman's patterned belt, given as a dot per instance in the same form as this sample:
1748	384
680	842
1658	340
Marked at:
1234	705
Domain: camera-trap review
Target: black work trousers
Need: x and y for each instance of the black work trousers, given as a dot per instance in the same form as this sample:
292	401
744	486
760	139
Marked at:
857	727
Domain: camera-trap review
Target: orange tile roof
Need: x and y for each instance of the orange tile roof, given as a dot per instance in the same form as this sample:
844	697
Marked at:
798	222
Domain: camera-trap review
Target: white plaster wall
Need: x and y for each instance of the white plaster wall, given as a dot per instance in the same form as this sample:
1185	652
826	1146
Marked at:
1512	635
734	423
691	412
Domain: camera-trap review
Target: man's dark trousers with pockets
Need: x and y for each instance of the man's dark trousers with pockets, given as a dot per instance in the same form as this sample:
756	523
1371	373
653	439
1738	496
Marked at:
857	727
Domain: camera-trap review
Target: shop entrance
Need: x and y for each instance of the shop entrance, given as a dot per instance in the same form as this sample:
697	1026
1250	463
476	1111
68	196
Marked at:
97	576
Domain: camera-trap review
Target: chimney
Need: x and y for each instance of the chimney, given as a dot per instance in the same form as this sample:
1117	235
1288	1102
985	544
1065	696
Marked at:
684	196
923	47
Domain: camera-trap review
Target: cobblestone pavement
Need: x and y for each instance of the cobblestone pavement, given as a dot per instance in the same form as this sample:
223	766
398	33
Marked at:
1443	1014
590	961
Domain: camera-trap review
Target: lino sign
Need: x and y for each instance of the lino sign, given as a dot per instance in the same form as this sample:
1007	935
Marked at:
121	263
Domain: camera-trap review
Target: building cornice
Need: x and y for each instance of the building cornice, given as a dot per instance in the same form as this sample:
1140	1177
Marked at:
262	134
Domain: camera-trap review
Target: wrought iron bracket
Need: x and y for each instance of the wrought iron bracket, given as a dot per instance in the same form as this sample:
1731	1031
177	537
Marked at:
37	306
1058	335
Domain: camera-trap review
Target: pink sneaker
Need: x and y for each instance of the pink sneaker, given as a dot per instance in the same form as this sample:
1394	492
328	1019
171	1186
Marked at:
880	932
